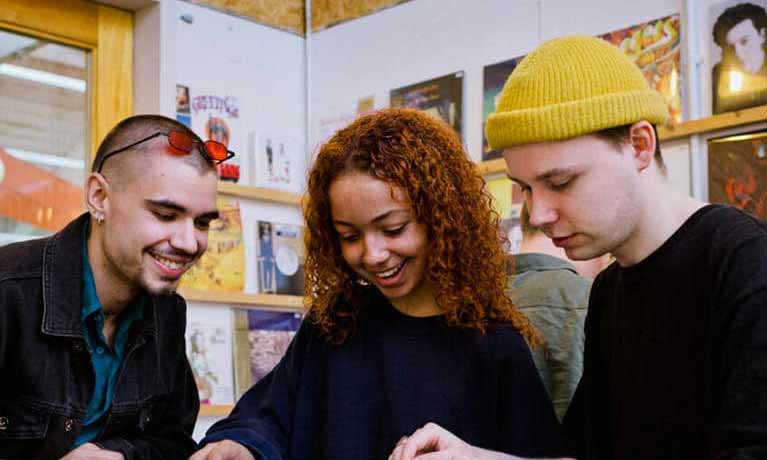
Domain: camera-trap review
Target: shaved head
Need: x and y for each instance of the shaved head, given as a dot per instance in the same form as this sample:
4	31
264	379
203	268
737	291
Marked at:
125	166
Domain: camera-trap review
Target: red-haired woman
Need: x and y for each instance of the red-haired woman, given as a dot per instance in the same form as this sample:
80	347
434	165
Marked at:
409	320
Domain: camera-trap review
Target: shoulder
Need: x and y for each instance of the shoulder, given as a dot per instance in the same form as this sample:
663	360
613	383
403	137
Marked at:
26	257
502	341
728	221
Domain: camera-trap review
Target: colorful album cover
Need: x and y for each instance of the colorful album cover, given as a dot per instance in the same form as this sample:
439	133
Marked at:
507	202
280	258
495	76
277	163
655	47
222	266
217	118
738	54
183	112
269	335
737	172
209	349
441	97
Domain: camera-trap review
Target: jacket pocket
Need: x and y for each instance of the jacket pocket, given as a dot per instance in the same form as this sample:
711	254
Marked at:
21	420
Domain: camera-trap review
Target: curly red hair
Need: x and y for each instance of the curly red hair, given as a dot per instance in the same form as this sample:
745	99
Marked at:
425	158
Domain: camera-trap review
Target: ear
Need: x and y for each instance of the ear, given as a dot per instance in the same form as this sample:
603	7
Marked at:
97	196
643	142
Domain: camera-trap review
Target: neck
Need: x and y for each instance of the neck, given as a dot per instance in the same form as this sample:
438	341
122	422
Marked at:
664	210
419	303
114	292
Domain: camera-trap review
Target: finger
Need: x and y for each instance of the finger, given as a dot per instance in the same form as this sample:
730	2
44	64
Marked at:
425	439
441	455
202	454
397	452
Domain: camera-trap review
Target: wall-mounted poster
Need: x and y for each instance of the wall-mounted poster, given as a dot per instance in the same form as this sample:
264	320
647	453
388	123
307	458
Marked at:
655	47
209	348
278	163
737	172
441	97
280	258
222	267
738	50
507	202
495	76
217	118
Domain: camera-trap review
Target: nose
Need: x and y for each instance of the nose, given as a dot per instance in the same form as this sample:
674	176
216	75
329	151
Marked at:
375	251
542	210
185	238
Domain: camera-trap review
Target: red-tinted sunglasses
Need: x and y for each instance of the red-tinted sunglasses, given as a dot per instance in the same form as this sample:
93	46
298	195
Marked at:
182	143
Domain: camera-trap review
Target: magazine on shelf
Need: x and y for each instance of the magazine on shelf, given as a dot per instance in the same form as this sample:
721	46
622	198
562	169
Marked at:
277	163
209	348
507	202
216	117
494	78
261	339
280	258
222	266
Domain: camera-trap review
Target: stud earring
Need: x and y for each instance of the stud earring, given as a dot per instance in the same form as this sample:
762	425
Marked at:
100	219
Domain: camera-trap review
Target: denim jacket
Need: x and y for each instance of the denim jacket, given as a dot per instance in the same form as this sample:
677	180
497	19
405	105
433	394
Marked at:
46	375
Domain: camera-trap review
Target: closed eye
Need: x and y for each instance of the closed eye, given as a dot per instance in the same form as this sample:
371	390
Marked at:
395	231
163	216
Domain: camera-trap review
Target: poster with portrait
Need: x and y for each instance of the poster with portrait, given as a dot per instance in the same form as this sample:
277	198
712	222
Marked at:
278	163
655	47
269	335
280	258
507	202
209	349
737	172
738	54
440	97
217	117
222	266
495	76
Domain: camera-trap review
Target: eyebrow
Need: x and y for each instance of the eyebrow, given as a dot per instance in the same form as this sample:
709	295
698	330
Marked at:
169	204
376	220
547	175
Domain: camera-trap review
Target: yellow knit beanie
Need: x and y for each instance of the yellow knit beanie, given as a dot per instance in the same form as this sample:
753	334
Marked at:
569	87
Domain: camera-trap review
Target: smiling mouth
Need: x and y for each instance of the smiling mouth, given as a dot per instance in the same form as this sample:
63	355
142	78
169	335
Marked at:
171	265
390	273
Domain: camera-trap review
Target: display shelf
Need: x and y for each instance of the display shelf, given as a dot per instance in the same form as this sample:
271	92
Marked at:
291	303
258	193
215	410
666	133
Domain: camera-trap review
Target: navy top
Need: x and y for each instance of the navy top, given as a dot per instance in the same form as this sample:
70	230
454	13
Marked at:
394	375
106	360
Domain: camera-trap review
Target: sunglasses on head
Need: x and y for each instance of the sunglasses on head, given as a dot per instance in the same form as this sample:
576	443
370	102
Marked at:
182	144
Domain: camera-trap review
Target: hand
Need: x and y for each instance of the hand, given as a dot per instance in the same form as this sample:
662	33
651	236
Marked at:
223	450
432	442
90	451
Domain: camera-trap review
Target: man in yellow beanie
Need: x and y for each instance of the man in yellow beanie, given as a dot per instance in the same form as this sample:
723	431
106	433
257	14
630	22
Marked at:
675	362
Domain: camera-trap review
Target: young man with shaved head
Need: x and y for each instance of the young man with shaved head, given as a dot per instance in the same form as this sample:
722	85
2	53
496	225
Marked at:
675	360
91	330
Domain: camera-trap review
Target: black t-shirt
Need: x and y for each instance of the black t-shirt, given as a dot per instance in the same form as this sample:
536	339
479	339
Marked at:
675	363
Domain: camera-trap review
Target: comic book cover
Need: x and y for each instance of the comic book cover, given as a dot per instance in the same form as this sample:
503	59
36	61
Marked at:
277	163
738	55
280	258
737	172
507	202
495	76
209	349
441	97
222	266
217	117
655	47
269	335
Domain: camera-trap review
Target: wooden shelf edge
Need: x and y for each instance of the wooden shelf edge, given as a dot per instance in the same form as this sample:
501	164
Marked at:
497	165
269	301
714	122
215	410
258	193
